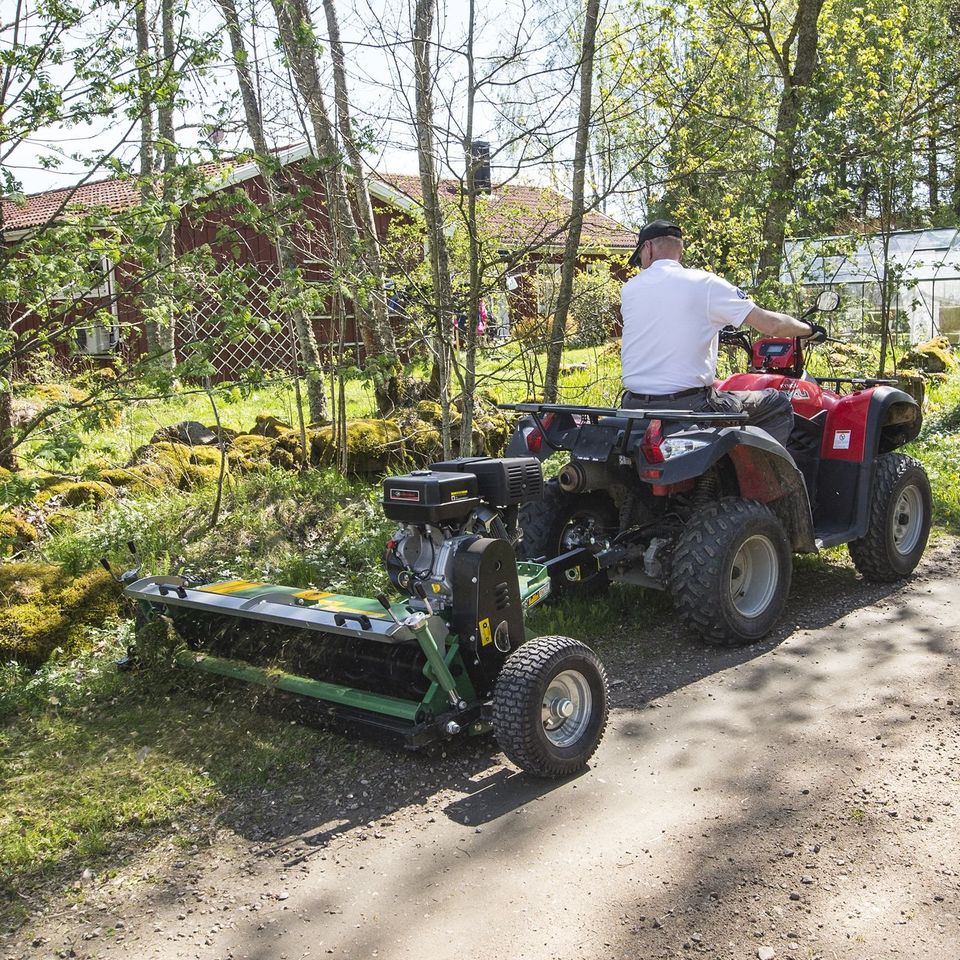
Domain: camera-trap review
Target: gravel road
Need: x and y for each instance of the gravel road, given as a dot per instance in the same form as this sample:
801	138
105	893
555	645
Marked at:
794	799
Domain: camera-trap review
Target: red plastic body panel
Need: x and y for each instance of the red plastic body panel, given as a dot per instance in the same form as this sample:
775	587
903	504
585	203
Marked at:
844	431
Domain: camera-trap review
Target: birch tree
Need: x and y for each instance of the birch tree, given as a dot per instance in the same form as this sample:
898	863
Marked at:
575	227
286	251
432	211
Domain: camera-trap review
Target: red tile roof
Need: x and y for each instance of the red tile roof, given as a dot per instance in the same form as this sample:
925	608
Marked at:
518	215
522	215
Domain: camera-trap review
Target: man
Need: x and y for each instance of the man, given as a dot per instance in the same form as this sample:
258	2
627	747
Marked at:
671	318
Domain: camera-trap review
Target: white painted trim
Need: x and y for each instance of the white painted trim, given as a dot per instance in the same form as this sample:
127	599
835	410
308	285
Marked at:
391	195
250	169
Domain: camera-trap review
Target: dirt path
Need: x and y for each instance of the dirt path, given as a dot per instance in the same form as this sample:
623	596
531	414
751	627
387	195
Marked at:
794	799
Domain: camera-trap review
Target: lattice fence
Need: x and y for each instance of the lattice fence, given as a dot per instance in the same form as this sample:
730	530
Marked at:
265	342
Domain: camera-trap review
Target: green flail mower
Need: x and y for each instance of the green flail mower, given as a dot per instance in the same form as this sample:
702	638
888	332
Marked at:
449	657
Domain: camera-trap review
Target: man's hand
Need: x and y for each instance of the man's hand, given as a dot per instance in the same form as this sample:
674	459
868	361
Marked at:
817	333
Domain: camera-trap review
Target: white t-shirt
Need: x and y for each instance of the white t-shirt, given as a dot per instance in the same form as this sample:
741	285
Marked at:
671	317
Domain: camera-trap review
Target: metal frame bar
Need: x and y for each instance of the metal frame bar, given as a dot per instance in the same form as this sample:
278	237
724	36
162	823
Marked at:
303	686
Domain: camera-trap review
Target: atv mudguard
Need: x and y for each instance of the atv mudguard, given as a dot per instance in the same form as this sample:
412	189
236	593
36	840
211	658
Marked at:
861	427
764	471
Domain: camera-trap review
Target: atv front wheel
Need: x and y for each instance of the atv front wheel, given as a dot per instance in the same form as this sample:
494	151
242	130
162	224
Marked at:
731	572
550	706
562	521
899	520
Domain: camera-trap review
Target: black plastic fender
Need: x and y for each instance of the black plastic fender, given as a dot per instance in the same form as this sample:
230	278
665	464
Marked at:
764	469
894	419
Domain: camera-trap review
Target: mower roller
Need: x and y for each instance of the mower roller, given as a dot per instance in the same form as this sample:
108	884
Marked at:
450	656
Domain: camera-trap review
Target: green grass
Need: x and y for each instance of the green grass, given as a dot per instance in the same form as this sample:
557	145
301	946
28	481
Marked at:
317	529
93	763
593	377
938	449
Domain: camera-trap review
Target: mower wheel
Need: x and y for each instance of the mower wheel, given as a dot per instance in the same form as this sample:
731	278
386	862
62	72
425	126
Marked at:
899	520
731	572
562	521
550	706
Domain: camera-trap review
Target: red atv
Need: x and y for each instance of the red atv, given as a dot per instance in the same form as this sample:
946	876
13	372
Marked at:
710	509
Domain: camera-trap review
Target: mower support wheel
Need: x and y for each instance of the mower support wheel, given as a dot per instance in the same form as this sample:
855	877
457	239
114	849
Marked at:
731	572
899	520
562	521
550	706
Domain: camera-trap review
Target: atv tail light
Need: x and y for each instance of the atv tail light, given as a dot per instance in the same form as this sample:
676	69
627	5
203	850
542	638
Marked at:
652	441
533	436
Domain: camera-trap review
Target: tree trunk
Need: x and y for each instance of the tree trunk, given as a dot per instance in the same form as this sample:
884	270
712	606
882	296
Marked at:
309	353
146	83
8	459
298	37
432	213
370	244
572	245
472	311
784	173
933	167
166	330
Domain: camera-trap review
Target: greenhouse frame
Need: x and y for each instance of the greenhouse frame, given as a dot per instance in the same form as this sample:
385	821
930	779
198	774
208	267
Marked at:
924	263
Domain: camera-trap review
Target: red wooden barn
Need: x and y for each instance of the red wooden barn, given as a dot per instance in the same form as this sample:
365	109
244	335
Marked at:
526	223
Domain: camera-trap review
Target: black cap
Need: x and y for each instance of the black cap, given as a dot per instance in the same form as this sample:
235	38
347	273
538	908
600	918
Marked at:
654	229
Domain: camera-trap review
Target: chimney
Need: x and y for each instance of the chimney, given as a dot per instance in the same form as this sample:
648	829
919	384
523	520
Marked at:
480	159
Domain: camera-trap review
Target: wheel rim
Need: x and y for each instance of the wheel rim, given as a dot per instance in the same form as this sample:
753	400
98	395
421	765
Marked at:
566	708
907	520
754	576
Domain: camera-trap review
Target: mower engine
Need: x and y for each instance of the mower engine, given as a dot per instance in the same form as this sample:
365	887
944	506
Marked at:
443	509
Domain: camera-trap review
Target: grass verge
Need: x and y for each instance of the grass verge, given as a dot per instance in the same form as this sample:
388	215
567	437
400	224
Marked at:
94	764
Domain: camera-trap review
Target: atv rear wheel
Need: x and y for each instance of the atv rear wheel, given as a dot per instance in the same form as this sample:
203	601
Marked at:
550	706
899	520
731	572
562	521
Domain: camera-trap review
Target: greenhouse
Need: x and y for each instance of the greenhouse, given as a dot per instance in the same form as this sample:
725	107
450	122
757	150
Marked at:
924	266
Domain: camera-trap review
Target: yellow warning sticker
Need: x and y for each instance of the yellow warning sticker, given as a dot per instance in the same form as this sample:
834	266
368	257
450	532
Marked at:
231	586
313	594
534	598
486	636
436	587
458	494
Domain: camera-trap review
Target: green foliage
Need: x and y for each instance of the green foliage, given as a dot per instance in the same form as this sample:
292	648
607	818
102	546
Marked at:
596	297
938	448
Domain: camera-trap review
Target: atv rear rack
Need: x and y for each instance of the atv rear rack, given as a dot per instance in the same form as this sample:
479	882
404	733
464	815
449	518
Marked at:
650	414
632	417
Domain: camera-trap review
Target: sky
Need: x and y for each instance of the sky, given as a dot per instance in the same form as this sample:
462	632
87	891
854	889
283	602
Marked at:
378	62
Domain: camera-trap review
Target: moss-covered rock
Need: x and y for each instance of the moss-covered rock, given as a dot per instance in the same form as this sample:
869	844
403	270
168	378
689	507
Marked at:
933	356
430	411
15	534
191	433
178	464
251	453
373	446
268	426
133	480
76	493
45	609
421	434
